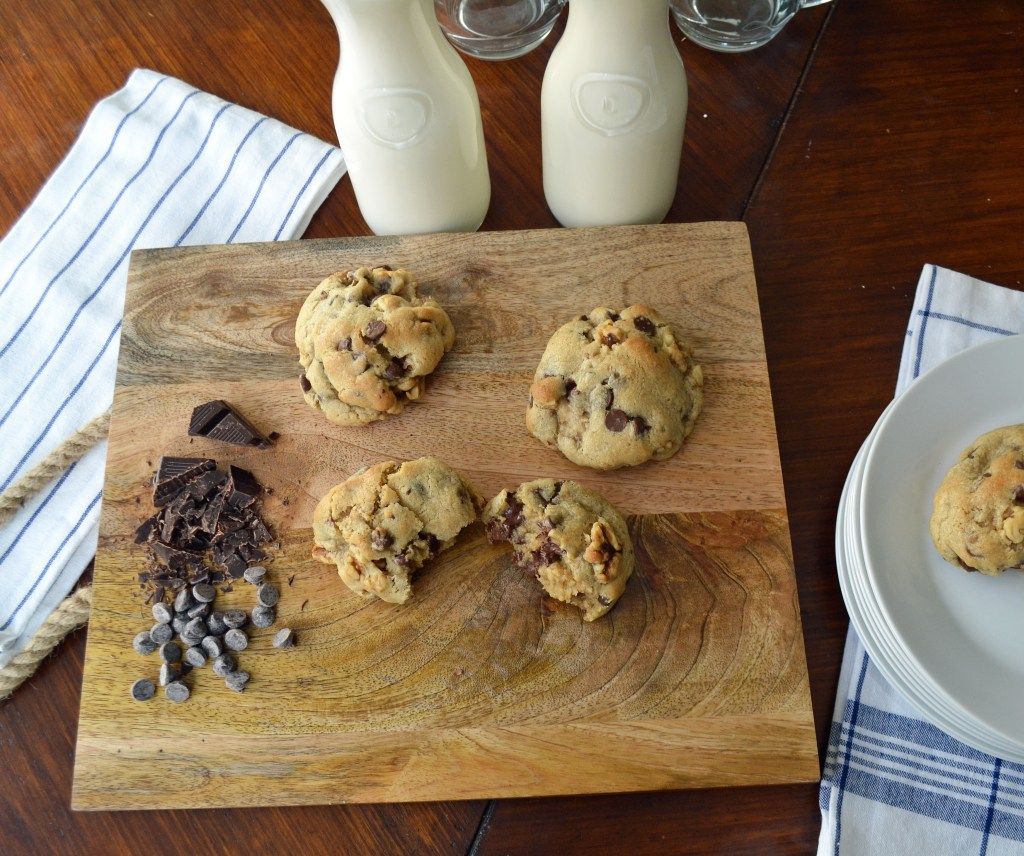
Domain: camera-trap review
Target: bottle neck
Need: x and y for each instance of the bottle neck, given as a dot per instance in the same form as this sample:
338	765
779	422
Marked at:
621	17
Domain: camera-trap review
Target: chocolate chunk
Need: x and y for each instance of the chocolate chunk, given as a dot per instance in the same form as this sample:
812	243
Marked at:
170	652
237	680
616	420
224	665
243	489
381	539
304	383
195	657
609	338
644	325
263	616
395	369
284	638
255	574
174	473
147	531
641	425
268	595
374	330
177	692
218	420
236	640
345	344
549	553
143	689
143	644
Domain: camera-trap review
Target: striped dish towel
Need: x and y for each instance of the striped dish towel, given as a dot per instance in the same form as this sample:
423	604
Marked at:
157	164
892	783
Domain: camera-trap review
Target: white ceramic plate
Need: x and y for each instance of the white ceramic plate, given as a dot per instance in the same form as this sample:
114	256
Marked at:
963	632
884	650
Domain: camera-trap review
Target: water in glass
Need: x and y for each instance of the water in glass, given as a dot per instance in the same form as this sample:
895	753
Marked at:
497	29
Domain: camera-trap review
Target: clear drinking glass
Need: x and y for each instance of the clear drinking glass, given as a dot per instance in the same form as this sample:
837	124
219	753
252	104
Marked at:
497	29
735	25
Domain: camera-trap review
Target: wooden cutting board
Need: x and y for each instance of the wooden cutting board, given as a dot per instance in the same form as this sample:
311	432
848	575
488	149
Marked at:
480	686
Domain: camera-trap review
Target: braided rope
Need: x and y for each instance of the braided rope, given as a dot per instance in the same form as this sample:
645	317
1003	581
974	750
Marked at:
67	453
73	612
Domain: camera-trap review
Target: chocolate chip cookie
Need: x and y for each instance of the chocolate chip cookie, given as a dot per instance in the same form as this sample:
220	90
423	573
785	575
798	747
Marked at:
572	538
384	523
615	389
367	341
978	516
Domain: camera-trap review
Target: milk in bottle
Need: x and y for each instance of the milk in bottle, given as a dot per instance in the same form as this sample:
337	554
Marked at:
408	119
613	105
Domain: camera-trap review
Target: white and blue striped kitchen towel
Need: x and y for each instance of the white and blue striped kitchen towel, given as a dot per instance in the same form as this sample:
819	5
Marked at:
157	164
892	783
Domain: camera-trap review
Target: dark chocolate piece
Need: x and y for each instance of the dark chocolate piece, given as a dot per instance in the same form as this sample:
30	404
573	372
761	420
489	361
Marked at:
218	420
242	489
174	473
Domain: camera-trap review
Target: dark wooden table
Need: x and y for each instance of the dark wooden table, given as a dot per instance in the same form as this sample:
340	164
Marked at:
869	138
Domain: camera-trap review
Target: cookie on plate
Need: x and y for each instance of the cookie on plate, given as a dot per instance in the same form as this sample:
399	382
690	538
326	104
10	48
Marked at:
367	341
572	538
978	515
384	523
615	389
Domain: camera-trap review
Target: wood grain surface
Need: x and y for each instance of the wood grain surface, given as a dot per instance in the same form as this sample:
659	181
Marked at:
480	686
824	141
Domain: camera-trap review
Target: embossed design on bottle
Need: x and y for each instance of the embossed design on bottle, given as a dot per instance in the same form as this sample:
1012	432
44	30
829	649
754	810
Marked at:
394	117
610	104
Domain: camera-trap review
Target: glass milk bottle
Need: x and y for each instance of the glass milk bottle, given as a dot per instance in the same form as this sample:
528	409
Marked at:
408	119
613	107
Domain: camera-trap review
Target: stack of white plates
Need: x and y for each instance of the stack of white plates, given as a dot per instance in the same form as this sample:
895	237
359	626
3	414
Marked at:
952	642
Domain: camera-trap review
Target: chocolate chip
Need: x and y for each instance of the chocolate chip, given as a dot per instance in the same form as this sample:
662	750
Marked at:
604	601
304	383
195	630
224	665
381	539
1019	465
184	601
204	593
236	640
616	420
212	646
640	425
162	613
177	692
263	616
195	657
161	633
345	344
609	338
374	330
200	610
144	644
1018	494
284	638
178	623
169	672
547	524
396	369
268	595
143	689
549	553
254	575
644	325
215	624
170	652
609	398
236	681
235	618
